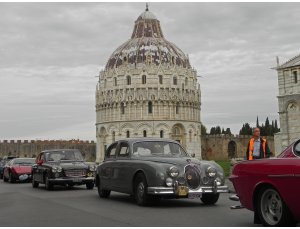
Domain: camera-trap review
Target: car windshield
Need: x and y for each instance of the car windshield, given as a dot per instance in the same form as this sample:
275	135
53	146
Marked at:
158	149
67	155
23	161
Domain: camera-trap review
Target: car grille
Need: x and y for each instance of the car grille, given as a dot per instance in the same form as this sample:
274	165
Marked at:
192	176
75	173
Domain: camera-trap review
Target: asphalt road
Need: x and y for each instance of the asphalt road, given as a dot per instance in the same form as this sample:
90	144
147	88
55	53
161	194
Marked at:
21	205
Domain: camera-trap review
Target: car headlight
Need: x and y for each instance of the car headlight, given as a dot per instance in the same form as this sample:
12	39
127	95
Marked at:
173	171
56	169
211	172
169	182
92	168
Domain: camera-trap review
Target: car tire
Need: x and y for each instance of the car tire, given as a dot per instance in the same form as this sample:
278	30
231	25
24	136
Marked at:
1	176
103	193
10	178
35	184
271	209
48	184
210	198
4	179
140	190
90	185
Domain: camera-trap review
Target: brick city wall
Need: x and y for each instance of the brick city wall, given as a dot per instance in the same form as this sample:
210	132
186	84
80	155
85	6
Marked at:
30	148
214	147
223	147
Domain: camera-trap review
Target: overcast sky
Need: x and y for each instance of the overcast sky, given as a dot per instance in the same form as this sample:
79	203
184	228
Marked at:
50	54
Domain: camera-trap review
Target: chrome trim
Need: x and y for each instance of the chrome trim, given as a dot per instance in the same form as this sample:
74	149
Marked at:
171	190
71	179
281	175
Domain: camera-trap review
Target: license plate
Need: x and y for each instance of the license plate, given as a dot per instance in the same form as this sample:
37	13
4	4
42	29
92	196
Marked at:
76	180
194	195
182	191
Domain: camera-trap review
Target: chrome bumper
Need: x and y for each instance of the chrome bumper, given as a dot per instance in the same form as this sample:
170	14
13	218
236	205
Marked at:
200	190
72	180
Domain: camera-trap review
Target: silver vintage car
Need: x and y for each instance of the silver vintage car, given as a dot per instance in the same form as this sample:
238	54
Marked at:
149	169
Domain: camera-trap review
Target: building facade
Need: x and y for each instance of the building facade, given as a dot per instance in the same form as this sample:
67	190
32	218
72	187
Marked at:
288	102
148	89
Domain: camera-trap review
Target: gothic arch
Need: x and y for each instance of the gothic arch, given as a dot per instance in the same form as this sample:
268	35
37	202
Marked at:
232	149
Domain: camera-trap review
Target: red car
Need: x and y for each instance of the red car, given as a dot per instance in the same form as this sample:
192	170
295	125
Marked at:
18	169
271	187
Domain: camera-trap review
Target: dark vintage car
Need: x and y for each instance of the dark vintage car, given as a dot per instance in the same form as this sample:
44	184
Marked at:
18	169
150	168
62	167
271	187
3	163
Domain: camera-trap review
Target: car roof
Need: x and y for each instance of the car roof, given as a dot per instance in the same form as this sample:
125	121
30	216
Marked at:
134	140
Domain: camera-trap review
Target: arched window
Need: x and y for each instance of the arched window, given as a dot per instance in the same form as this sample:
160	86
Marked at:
115	81
161	134
177	109
122	108
144	79
128	80
176	131
190	135
105	83
186	81
145	133
182	86
160	79
127	134
175	80
113	136
150	108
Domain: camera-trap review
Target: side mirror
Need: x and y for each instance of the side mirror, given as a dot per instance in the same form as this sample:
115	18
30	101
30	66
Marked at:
40	162
192	154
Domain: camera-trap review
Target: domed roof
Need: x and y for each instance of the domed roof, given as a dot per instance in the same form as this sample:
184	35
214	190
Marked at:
147	45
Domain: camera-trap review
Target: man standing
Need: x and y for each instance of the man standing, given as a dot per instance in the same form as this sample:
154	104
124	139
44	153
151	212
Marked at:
257	147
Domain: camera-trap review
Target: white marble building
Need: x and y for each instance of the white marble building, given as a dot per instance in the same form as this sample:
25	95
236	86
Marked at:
289	103
148	88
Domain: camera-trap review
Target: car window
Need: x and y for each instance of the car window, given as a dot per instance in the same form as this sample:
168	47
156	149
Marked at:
158	149
124	150
111	151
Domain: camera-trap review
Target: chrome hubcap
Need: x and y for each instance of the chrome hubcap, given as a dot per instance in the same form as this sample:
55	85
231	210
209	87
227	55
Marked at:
140	190
271	206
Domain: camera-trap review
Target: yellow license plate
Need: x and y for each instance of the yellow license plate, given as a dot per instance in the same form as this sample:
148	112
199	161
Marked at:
182	191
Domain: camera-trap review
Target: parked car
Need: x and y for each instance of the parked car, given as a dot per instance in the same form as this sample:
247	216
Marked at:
18	169
3	163
149	169
62	167
271	187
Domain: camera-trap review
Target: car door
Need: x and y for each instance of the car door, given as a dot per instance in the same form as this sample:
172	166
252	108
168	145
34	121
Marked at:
106	169
123	168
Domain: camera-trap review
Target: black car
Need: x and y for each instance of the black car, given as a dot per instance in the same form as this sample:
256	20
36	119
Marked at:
62	167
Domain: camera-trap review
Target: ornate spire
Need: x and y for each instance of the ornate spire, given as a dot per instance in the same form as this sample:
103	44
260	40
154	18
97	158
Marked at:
147	7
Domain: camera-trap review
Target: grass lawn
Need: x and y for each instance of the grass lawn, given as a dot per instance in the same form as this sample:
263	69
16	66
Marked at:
226	166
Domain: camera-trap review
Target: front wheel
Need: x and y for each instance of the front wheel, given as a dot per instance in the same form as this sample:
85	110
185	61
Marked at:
10	178
140	191
210	198
103	193
90	185
4	178
35	184
48	184
271	209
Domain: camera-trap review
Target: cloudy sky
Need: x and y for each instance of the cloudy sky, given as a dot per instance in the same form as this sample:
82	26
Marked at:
50	54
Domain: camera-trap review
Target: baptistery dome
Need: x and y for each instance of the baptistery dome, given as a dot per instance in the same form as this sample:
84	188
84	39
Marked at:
147	45
148	89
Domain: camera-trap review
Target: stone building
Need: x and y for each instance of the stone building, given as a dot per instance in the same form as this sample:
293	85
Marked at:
289	103
148	89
